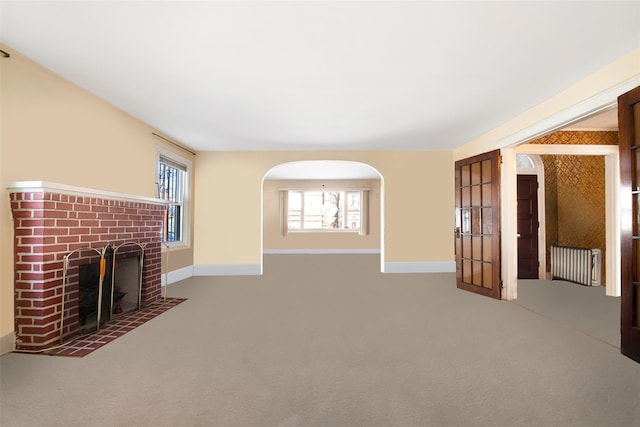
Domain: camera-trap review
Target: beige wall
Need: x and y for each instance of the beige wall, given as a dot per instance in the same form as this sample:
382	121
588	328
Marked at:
418	203
274	238
52	130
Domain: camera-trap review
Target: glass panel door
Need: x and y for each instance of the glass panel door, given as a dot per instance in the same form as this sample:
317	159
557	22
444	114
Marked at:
629	133
477	231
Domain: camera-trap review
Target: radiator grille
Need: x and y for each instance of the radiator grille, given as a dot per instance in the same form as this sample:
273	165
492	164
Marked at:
577	265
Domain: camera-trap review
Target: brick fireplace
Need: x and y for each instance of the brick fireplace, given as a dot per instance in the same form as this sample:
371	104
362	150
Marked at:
52	220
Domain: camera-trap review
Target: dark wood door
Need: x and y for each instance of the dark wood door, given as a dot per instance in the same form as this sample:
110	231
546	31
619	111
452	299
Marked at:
527	219
629	134
477	234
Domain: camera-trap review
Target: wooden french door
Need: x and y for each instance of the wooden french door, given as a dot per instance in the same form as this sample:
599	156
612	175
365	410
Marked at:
477	233
629	134
527	224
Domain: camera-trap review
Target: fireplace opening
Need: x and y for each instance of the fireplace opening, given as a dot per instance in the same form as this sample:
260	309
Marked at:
126	285
101	286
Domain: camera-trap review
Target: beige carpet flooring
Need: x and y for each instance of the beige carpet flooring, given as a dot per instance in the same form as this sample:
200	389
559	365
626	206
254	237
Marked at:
584	308
323	340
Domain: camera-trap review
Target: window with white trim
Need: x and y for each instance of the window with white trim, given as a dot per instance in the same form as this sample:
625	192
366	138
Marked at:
173	186
322	210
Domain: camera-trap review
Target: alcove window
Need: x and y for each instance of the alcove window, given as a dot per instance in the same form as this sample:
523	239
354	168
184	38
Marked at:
323	210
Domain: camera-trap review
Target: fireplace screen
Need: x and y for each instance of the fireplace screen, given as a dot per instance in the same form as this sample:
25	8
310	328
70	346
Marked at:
94	292
99	285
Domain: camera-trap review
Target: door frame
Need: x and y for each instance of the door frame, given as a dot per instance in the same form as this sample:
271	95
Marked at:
612	205
603	101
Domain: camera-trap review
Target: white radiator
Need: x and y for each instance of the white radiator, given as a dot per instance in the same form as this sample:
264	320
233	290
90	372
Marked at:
578	265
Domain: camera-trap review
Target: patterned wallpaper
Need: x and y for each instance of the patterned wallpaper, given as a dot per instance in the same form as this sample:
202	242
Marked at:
579	138
575	193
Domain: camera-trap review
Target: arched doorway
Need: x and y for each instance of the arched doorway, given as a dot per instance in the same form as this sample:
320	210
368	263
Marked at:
320	188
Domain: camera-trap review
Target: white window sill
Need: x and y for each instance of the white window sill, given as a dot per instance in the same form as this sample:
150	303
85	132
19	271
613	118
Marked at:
173	246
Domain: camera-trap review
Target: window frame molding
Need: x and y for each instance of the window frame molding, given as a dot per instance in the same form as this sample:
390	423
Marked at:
364	210
185	232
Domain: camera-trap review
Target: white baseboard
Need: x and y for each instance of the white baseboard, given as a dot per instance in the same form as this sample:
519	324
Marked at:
420	267
319	251
7	343
177	275
256	269
227	270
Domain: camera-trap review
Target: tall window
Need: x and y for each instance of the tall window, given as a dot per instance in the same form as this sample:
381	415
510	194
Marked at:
172	187
324	210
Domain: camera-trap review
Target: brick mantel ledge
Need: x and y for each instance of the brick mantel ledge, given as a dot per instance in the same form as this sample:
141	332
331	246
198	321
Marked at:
52	187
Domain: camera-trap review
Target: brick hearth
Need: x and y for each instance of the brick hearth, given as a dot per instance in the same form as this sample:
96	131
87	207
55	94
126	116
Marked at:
52	220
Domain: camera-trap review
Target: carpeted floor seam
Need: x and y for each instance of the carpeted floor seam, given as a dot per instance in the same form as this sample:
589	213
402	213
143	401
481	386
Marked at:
565	325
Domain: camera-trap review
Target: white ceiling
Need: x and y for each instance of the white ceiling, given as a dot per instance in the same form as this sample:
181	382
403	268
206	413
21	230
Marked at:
322	75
